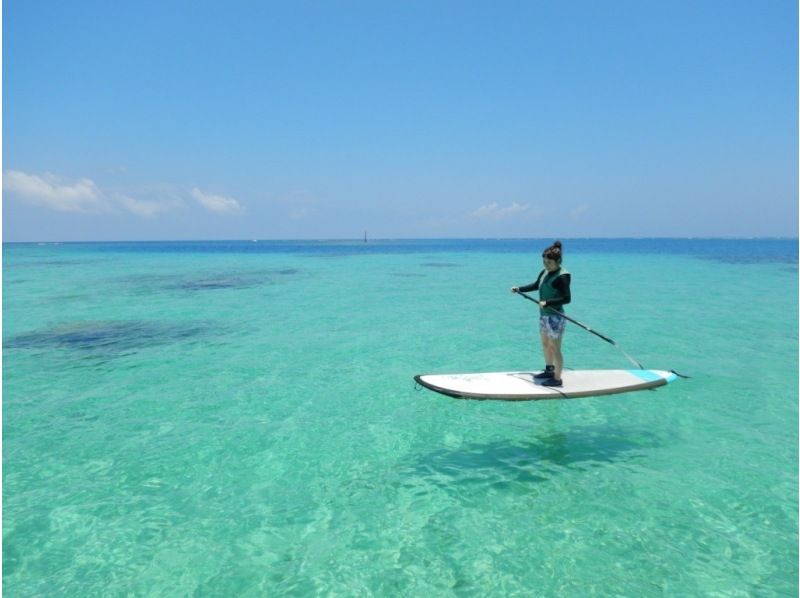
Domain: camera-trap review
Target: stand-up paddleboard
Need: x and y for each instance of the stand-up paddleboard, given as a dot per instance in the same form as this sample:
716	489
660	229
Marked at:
521	386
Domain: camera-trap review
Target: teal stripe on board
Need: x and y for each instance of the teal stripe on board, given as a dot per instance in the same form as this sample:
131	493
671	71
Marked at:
239	419
646	375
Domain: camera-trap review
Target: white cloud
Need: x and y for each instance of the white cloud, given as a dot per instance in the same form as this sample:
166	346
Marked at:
141	207
301	212
49	191
216	203
493	211
580	210
84	196
300	204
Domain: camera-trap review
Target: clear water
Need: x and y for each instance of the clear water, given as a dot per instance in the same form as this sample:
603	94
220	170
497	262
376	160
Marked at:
220	419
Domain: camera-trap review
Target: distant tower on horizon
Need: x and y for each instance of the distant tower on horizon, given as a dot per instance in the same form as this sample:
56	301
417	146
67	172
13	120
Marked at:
365	236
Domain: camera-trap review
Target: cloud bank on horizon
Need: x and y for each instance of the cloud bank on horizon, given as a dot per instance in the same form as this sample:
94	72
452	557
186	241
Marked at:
217	203
84	196
494	211
49	192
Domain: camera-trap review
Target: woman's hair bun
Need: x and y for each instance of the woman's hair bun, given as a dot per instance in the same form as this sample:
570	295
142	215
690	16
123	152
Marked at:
553	252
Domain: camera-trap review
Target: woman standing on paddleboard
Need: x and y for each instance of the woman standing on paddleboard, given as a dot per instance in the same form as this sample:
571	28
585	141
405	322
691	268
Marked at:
553	286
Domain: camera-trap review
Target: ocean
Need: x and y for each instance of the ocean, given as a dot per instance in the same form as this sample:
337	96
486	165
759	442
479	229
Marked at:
240	419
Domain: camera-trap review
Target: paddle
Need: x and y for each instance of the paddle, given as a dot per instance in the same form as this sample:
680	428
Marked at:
585	327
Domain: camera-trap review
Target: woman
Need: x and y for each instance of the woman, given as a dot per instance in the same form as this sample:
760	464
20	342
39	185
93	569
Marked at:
553	286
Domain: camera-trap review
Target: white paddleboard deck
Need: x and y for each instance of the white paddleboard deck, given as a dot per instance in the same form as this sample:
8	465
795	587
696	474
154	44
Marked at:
521	386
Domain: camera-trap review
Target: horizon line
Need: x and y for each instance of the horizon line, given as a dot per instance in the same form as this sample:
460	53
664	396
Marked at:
380	239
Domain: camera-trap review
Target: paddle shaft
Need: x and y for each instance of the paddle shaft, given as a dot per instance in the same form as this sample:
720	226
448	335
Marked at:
586	328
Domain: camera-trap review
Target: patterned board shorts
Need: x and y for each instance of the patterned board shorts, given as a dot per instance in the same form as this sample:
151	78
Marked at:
553	326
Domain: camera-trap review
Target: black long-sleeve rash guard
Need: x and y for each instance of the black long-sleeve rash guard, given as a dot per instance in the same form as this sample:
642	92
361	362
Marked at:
560	284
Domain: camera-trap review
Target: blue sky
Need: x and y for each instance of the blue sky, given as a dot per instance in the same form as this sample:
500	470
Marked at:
243	120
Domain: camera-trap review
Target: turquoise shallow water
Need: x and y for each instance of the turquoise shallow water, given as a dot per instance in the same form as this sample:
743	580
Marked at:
222	419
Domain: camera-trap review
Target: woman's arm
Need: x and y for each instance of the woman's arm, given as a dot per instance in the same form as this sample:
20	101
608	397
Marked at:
534	286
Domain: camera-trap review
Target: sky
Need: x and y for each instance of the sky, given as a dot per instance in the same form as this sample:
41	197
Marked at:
177	120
